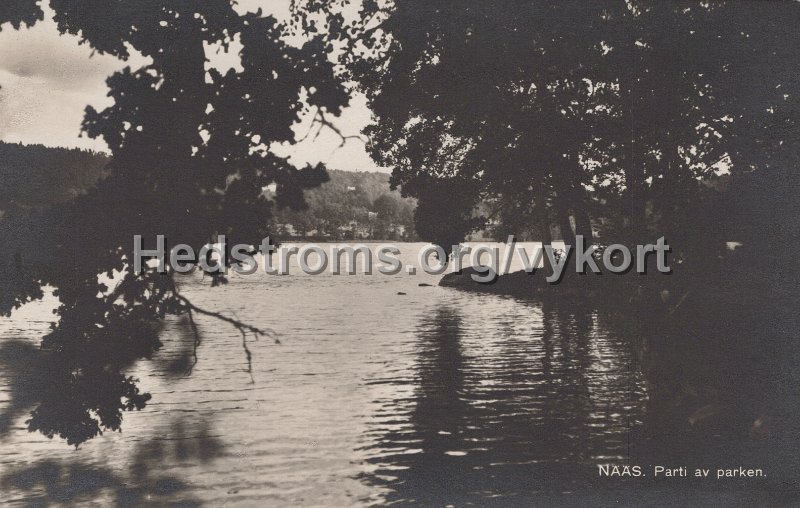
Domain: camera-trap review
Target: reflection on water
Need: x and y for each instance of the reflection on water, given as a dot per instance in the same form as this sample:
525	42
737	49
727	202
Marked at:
434	396
512	412
73	480
22	366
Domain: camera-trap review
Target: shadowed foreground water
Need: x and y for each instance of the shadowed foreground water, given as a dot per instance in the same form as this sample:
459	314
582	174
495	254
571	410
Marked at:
436	397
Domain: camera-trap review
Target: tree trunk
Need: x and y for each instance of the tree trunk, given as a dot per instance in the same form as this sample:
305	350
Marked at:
583	225
567	235
544	225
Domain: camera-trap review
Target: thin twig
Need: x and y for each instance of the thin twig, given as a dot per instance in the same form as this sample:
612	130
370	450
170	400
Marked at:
322	121
239	325
235	322
249	356
310	128
679	302
325	122
196	344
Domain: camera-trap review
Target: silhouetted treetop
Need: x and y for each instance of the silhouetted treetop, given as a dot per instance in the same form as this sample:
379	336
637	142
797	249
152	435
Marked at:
570	111
20	12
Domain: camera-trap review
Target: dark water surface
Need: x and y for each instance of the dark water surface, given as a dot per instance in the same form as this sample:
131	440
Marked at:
436	397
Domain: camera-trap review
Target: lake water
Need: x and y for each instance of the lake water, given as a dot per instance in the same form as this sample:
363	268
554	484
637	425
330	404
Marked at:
434	397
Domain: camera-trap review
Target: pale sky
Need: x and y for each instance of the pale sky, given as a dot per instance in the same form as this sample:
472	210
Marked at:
48	79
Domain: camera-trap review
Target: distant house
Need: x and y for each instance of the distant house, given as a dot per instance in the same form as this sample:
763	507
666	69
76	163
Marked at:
287	229
350	188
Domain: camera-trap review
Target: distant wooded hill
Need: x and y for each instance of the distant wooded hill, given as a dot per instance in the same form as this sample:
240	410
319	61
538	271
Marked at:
351	205
36	176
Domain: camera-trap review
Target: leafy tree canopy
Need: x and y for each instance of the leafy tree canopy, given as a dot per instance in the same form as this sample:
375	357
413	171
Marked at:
190	159
571	112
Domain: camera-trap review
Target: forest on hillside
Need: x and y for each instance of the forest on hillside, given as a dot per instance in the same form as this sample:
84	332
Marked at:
36	176
350	206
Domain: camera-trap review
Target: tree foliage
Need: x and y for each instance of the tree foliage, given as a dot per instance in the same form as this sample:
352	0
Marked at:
583	115
20	12
190	159
351	205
